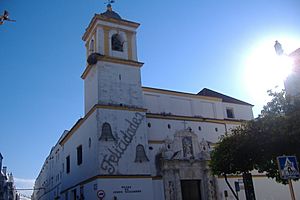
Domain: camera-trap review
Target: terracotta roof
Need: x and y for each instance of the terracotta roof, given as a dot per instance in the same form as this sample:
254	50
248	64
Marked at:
225	98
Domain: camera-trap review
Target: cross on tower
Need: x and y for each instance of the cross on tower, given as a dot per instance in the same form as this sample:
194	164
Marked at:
110	2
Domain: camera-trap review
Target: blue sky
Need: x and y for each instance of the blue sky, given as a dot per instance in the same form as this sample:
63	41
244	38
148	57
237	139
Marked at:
185	46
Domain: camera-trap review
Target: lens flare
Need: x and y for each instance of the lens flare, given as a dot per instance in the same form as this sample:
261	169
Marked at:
265	70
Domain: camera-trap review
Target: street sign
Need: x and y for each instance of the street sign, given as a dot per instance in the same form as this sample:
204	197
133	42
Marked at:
288	167
100	194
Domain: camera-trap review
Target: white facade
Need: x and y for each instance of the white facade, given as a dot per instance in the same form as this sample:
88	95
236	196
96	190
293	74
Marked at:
7	185
136	142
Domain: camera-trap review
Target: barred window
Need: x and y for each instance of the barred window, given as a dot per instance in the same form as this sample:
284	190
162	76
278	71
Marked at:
229	112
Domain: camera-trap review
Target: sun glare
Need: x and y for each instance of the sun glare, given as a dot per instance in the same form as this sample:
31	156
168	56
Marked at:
264	70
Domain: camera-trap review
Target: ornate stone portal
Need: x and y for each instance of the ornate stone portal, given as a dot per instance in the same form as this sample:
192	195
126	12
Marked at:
185	158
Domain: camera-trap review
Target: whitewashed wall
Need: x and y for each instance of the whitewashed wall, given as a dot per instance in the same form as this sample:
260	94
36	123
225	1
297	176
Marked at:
50	176
177	105
265	189
157	102
91	89
90	161
109	83
119	121
133	188
241	112
126	91
159	131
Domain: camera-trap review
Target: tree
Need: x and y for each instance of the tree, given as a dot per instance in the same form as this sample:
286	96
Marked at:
257	143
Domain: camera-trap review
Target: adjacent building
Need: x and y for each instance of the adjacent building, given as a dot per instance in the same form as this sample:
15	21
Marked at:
138	142
7	187
292	83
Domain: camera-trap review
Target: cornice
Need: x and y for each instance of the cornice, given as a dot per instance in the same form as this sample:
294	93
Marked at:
91	111
182	94
111	20
104	58
191	118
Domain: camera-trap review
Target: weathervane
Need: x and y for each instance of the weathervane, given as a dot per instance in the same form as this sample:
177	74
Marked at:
108	2
5	17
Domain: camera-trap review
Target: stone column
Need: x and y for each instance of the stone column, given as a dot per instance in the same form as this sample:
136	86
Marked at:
172	185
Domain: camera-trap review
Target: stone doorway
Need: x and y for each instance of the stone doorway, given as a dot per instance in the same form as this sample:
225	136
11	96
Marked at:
190	189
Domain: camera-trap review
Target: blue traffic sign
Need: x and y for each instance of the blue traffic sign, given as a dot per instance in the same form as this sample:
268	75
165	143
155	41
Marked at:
288	167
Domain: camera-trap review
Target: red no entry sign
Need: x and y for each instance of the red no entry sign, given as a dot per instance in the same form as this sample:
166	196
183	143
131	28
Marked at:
100	194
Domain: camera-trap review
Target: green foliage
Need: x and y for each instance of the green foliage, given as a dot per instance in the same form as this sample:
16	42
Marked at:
257	143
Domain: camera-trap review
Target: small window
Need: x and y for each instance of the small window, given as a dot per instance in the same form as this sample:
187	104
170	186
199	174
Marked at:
106	134
216	129
92	43
68	164
199	128
95	186
90	142
79	155
169	126
116	43
229	112
149	124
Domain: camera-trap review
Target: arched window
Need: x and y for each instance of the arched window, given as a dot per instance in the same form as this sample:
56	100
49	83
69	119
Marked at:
92	45
106	133
116	42
140	155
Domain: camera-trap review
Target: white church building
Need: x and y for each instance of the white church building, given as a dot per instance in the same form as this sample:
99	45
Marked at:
140	143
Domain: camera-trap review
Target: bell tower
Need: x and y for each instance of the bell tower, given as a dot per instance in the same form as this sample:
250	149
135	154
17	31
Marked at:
112	89
112	75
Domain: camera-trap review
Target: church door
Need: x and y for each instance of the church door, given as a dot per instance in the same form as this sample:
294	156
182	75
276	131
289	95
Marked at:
190	190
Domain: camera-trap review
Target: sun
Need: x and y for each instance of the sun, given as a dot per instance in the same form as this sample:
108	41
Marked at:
264	70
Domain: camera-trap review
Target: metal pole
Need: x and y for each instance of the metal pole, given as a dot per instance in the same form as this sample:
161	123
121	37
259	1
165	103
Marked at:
291	189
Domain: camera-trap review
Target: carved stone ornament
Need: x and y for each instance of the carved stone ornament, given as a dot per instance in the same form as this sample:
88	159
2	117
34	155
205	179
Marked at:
187	146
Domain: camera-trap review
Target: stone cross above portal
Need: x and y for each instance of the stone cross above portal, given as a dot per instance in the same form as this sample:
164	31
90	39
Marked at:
184	124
